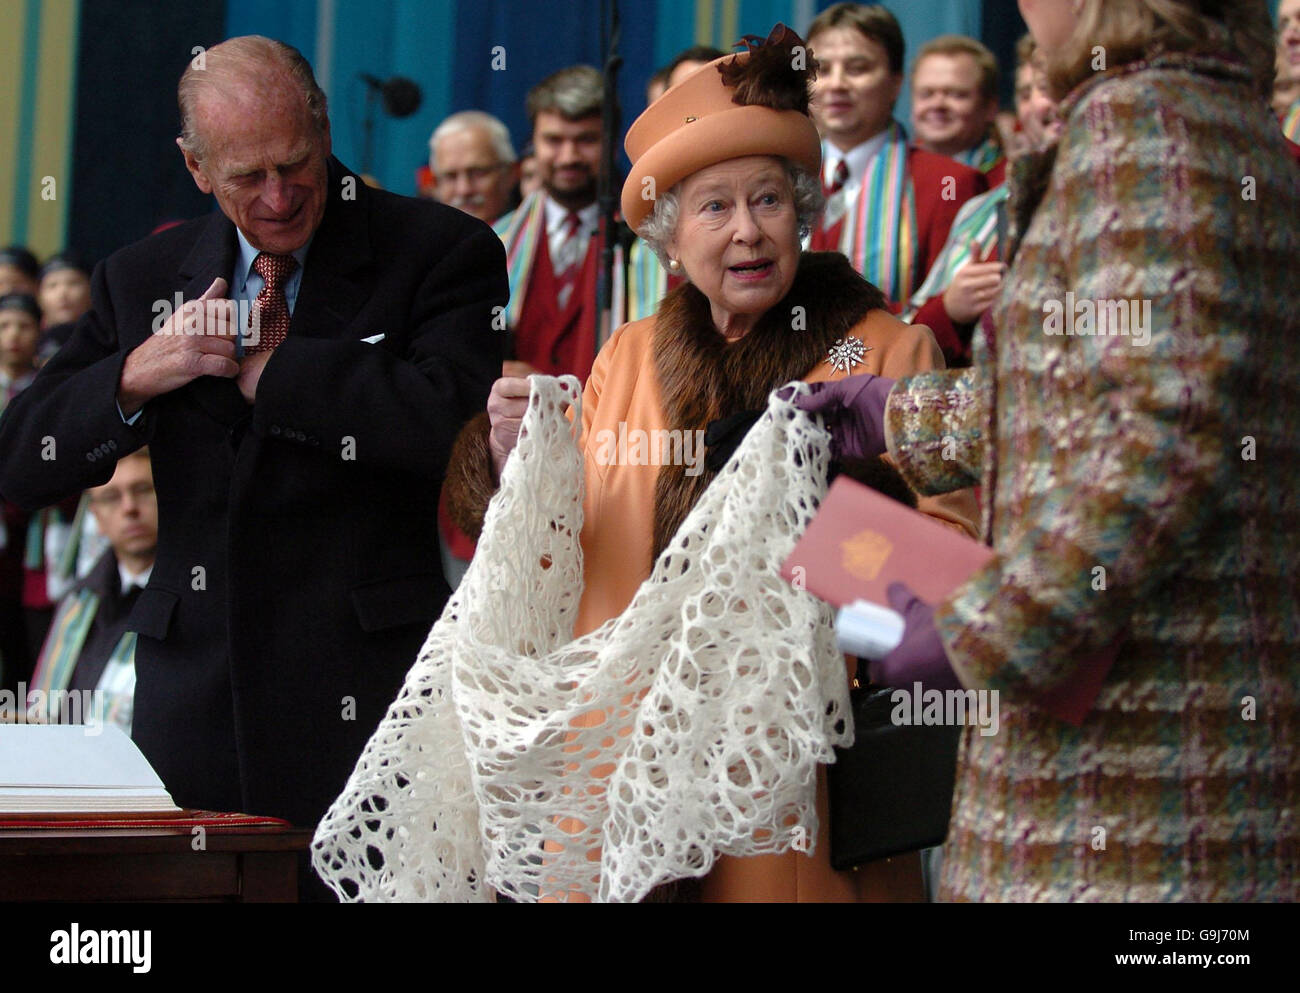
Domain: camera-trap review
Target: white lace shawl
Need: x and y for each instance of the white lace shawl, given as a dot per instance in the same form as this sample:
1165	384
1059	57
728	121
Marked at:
519	760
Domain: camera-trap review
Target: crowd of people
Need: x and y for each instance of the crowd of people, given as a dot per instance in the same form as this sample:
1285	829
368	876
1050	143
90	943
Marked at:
251	621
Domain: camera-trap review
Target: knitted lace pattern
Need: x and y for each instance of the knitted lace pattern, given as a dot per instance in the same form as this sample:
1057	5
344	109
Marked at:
519	760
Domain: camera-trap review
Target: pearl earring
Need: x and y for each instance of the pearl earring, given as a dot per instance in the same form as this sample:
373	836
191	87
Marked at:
674	265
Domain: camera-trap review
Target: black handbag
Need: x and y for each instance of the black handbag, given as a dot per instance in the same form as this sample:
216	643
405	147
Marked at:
891	792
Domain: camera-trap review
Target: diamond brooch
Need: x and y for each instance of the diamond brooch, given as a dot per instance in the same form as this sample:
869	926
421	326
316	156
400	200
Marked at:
847	353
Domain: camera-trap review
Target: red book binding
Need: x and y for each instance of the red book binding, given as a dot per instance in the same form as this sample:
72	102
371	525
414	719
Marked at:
861	541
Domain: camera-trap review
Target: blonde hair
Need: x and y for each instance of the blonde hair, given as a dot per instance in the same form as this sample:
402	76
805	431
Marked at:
959	44
1131	30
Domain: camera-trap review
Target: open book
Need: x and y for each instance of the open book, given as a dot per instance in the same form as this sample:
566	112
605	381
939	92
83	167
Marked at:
60	769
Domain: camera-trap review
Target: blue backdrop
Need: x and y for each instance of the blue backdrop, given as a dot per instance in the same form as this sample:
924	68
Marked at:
447	47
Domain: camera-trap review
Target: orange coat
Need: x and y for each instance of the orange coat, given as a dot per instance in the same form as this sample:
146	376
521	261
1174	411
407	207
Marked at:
618	508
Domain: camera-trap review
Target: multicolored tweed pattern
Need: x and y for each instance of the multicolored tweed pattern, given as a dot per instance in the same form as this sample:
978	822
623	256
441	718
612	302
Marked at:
1145	493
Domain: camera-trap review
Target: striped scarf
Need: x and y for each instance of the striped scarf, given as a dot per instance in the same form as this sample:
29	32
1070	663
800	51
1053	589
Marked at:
58	659
983	156
10	388
879	234
648	282
1291	122
43	521
116	687
977	221
63	644
519	231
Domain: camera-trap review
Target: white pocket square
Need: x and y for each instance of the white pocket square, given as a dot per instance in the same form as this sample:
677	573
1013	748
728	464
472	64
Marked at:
374	339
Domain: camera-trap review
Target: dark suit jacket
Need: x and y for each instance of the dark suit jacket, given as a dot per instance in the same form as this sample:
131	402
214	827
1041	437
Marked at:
298	569
108	625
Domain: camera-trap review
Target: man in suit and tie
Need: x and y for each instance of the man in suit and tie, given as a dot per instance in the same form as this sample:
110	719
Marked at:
889	204
90	648
551	239
298	475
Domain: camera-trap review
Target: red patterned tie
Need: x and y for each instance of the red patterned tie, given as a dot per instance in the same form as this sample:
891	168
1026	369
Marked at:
826	236
271	305
840	178
568	265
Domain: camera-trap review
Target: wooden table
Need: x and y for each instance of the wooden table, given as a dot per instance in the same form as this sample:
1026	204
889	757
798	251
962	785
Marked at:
252	865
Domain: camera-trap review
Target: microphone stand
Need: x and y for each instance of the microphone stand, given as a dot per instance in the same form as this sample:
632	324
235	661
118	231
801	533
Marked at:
612	231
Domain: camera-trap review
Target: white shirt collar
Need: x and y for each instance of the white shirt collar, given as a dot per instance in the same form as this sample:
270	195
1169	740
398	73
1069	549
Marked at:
129	580
857	158
23	379
588	217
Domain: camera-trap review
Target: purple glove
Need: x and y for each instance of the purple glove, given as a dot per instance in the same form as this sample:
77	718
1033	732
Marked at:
920	656
853	410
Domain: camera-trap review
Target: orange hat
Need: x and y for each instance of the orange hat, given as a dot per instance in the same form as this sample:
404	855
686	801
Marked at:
753	103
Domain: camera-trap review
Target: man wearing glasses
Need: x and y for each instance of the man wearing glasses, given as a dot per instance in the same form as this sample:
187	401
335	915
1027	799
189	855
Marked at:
89	650
474	164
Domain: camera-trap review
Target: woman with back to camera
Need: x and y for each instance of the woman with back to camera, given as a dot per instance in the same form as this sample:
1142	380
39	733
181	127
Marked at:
1140	480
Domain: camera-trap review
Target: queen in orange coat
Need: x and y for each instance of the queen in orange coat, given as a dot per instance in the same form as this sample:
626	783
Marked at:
723	188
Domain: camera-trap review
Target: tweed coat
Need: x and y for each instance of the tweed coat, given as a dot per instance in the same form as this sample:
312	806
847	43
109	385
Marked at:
1137	495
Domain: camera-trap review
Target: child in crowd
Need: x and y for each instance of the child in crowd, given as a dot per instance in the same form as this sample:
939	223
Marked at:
20	329
19	271
64	297
65	289
20	323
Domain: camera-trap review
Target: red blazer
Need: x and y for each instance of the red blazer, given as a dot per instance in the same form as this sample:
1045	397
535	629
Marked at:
930	176
934	217
934	213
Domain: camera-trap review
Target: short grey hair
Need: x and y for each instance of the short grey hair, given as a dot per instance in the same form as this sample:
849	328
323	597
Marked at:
575	93
660	226
249	60
467	120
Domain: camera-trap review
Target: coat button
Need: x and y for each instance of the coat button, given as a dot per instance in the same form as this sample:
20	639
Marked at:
275	430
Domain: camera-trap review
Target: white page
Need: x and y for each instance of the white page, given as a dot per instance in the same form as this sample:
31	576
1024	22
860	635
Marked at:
64	755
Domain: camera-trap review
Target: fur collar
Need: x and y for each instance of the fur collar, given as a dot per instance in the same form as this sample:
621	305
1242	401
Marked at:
1026	186
703	377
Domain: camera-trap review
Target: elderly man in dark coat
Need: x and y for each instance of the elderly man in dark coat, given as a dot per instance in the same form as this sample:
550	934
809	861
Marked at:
298	464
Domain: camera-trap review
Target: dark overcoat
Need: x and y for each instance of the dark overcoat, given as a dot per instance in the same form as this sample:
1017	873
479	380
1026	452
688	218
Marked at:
298	568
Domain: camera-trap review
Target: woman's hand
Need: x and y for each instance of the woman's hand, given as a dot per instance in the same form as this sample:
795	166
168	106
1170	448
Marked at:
853	410
506	406
920	656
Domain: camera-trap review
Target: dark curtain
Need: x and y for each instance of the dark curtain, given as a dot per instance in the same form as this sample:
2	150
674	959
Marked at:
128	175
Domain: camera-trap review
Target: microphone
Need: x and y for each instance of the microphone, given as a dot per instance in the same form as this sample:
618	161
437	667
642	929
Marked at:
401	96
